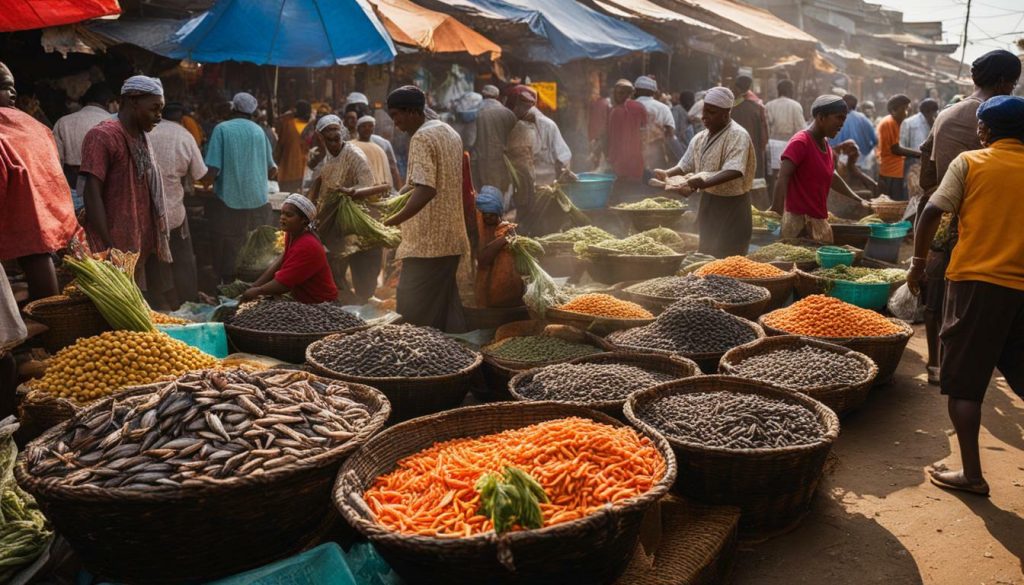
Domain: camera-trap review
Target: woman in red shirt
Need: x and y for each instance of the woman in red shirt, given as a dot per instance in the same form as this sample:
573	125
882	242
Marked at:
302	270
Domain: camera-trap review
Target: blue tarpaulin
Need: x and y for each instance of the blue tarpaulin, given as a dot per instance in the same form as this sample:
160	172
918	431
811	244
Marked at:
571	30
287	33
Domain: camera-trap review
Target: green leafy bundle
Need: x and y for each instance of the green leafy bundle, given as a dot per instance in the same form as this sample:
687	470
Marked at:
542	292
511	499
24	532
110	285
259	251
351	218
551	199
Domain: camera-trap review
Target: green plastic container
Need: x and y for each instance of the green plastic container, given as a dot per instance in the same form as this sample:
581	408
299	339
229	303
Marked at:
591	191
861	294
323	565
829	256
888	231
208	337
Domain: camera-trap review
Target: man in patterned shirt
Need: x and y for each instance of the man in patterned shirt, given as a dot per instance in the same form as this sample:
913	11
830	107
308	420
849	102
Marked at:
434	236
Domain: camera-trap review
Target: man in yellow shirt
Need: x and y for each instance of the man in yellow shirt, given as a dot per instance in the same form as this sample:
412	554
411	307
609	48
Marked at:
983	315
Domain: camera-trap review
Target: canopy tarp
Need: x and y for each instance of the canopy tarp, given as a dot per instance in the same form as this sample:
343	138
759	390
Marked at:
431	31
569	29
748	19
31	14
287	33
645	10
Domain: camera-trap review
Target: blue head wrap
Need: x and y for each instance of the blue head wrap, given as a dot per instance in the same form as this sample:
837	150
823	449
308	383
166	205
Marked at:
489	200
1004	116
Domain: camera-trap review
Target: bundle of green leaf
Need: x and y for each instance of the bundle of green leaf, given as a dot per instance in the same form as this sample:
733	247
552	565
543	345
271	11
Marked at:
390	207
651	203
24	533
587	234
635	245
234	289
110	285
862	274
779	252
664	235
542	292
352	219
259	251
511	499
551	200
764	219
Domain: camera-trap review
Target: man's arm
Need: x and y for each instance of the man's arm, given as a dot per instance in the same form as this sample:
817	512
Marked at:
421	196
716	179
95	210
840	186
782	185
927	225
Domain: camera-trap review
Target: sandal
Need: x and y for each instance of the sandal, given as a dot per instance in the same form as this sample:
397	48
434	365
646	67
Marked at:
933	375
953	480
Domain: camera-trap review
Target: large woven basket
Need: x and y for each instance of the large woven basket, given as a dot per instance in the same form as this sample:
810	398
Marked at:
886	351
409	397
287	347
780	287
842	398
773	487
67	320
40	411
592	323
808	283
594	549
497	371
645	219
202	533
673	365
889	211
609	268
708	361
751	310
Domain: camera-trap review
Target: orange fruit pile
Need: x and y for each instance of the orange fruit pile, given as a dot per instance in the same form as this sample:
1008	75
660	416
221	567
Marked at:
822	316
602	305
740	267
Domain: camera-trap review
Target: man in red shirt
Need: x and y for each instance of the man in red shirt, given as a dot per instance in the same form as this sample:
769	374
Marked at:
808	173
890	159
624	146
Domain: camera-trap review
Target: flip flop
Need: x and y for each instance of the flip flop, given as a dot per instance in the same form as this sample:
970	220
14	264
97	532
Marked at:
979	489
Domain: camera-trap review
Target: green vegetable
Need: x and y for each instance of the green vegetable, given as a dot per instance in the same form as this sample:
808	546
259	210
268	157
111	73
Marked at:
512	499
110	285
551	199
541	348
542	292
635	245
862	274
587	233
663	235
352	219
782	253
24	532
392	206
259	251
652	203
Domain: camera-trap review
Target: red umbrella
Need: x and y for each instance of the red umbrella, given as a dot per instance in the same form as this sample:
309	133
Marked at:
30	14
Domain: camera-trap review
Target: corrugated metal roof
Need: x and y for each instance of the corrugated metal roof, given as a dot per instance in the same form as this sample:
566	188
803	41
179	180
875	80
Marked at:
647	10
750	18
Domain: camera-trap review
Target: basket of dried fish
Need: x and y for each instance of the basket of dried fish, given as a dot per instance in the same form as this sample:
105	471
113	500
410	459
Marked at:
206	476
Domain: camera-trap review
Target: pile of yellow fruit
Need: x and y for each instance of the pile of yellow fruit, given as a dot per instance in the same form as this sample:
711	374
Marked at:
96	366
164	319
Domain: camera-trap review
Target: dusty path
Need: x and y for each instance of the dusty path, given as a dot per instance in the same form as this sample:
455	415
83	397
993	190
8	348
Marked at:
877	519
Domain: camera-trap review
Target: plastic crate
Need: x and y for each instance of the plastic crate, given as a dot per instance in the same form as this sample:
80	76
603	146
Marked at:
323	565
829	256
888	231
591	191
861	294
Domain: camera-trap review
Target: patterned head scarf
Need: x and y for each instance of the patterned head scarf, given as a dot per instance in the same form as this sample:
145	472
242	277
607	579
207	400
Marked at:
307	207
829	104
327	121
244	103
142	85
721	97
366	120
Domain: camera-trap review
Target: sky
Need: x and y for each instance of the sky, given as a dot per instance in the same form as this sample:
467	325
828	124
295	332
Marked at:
994	24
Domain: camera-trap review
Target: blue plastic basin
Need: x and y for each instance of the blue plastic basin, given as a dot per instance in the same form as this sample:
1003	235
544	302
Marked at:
591	191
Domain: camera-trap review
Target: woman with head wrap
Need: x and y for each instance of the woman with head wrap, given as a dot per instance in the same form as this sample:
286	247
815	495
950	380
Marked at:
497	282
719	163
303	269
808	173
983	326
345	173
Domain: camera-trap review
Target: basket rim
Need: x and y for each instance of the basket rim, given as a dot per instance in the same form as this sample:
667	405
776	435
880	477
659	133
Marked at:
727	366
657	211
767	295
826	416
772	279
370	380
906	331
759	331
514	364
600	255
372	529
623	356
588	317
60	299
291	334
52	489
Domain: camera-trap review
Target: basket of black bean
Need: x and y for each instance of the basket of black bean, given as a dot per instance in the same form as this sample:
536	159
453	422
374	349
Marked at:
838	377
694	329
531	345
743	443
214	473
729	294
602	381
419	369
284	329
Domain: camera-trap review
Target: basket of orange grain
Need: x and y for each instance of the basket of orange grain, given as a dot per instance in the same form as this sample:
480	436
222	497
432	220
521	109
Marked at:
778	282
829	319
599	313
419	492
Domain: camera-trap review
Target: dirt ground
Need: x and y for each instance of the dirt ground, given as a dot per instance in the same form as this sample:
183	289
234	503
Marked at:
877	519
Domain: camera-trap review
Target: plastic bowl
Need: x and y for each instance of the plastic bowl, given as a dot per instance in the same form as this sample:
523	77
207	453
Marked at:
591	191
889	231
829	256
862	294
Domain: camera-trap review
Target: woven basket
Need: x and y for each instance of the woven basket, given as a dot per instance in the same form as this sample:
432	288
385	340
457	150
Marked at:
409	397
842	398
676	366
67	320
287	347
886	351
807	283
780	288
594	549
751	310
497	372
592	323
773	487
889	212
645	219
202	533
40	411
708	361
612	269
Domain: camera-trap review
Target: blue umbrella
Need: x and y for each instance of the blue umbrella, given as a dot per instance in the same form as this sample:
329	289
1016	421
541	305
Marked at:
286	33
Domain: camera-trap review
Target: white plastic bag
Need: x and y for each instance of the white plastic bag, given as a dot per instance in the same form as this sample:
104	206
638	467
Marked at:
906	306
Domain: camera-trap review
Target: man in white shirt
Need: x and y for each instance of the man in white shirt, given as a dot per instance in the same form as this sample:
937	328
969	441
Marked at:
181	164
785	119
913	132
551	154
661	127
99	104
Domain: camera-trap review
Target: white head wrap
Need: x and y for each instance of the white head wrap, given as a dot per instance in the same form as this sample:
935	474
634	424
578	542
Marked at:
356	98
366	119
490	91
721	97
645	82
244	103
307	207
140	84
328	120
